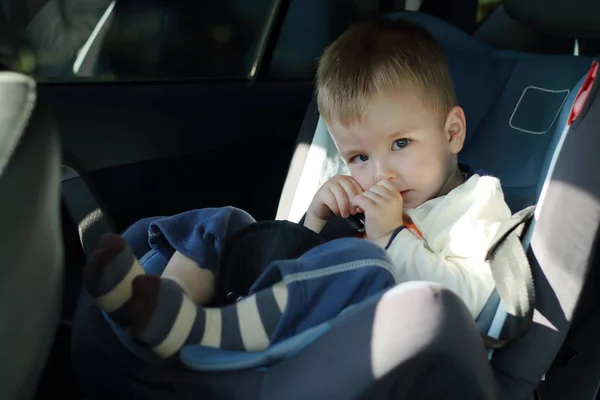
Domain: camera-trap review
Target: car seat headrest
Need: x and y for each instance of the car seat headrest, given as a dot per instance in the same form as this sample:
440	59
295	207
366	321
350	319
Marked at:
31	246
18	92
575	18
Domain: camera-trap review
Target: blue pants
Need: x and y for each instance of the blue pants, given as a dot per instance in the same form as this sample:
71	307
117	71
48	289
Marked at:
321	283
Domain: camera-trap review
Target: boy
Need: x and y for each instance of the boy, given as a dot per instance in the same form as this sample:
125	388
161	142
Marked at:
386	95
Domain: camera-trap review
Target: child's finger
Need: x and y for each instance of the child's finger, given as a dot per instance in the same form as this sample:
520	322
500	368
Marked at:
388	185
357	186
374	197
363	203
330	201
352	190
342	199
380	190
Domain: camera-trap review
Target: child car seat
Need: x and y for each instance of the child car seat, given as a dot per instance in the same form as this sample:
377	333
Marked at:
347	360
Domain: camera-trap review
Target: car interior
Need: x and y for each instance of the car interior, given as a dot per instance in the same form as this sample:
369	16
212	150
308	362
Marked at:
168	106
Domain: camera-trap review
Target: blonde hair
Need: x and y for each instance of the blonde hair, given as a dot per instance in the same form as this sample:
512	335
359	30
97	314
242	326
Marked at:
379	56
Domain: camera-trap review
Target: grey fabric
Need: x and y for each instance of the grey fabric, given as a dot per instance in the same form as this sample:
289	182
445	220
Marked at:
16	104
562	250
574	18
503	32
558	136
513	277
575	374
31	245
435	340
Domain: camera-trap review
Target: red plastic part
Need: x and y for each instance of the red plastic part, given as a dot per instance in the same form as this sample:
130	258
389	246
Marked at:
583	93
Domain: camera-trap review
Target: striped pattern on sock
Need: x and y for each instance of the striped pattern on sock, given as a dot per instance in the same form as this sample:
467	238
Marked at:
244	326
112	290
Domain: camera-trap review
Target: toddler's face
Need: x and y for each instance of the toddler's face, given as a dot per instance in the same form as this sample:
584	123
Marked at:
401	139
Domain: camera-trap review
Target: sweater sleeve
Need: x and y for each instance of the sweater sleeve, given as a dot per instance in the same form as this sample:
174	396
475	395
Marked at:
457	231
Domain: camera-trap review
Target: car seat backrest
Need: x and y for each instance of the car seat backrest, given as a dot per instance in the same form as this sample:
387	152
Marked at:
513	103
575	18
563	248
31	244
501	31
516	105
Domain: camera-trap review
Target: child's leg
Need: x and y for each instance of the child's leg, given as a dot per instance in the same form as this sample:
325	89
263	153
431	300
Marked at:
316	288
166	319
111	269
197	282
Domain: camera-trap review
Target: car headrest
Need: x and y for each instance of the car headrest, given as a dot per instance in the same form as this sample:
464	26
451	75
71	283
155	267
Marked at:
30	236
574	18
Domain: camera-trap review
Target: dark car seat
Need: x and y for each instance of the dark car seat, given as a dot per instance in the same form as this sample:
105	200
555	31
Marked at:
502	31
31	272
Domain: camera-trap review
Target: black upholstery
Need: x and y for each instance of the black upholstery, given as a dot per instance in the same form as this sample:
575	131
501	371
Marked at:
31	245
574	18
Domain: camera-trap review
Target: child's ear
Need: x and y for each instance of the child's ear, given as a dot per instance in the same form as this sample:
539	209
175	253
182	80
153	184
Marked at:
456	129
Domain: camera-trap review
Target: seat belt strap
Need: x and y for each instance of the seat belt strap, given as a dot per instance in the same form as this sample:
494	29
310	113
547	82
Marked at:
84	205
512	273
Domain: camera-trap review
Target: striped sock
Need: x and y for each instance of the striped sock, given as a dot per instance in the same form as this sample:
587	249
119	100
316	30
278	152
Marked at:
108	275
166	319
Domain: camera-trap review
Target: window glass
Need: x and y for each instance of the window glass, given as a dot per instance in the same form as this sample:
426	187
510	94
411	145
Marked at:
485	8
121	40
138	39
310	25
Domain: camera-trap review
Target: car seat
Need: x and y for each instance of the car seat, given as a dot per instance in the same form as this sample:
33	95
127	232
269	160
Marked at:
521	106
501	31
31	273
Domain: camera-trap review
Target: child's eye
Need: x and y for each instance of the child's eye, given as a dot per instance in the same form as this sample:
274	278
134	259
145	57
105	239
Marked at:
400	144
361	158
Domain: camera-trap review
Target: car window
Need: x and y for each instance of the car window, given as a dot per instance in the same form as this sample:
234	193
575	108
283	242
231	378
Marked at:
125	40
140	39
485	8
309	26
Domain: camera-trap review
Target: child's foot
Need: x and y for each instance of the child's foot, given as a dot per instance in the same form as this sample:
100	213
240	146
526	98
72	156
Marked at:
108	275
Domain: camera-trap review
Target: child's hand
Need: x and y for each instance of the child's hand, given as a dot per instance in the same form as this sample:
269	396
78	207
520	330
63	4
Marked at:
382	205
334	197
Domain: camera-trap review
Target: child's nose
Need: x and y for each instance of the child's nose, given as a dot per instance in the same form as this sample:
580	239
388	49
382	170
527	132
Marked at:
384	171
